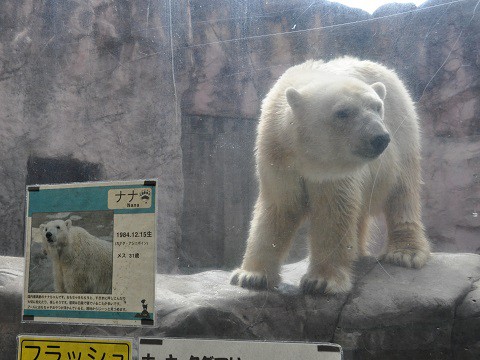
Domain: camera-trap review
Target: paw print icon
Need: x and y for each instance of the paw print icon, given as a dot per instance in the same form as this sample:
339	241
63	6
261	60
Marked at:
145	195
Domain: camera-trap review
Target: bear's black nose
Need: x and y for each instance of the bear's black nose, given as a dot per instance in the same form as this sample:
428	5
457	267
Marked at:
49	236
380	143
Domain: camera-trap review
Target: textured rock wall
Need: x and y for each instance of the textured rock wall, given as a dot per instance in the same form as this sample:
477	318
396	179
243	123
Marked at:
239	48
91	81
220	189
450	108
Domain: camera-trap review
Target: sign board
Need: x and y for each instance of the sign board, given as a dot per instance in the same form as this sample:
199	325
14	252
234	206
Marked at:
186	349
91	253
73	348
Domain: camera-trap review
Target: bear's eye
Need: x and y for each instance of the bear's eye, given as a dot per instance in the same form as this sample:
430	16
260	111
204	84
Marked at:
342	114
378	108
58	227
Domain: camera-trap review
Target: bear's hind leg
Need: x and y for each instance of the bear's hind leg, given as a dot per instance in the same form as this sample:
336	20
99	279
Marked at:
407	243
363	235
271	232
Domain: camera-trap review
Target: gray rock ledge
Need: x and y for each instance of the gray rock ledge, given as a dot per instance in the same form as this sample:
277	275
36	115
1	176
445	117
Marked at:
392	312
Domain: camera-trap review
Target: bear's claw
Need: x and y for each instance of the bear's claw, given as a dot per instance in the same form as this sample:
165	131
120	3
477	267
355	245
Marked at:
250	280
315	284
410	258
310	287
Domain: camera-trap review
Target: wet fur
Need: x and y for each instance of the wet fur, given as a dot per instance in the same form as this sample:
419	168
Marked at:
302	175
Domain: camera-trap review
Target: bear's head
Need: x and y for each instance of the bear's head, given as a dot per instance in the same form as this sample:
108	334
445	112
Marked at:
55	233
338	123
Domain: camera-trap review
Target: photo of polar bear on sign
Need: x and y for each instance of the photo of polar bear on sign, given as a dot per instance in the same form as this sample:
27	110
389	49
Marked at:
78	261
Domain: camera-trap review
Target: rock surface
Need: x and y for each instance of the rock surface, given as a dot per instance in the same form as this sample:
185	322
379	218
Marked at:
392	312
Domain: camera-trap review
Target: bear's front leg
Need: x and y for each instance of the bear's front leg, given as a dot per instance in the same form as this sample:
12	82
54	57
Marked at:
78	283
58	283
334	214
271	231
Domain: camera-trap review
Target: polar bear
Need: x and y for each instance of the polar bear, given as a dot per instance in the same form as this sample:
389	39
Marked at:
81	262
337	142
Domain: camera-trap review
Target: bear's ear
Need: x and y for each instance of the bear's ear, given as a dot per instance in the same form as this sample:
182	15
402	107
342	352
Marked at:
294	98
68	223
380	89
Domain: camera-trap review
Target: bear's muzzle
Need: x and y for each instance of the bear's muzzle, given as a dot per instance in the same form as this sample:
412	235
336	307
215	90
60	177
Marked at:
379	144
49	237
371	147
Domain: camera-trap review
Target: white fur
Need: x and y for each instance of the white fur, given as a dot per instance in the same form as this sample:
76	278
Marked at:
82	263
316	158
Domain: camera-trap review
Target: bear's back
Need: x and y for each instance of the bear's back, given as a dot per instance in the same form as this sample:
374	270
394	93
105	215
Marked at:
84	242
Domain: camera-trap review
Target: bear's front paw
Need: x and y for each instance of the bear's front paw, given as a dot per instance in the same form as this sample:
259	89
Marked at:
317	284
253	280
410	258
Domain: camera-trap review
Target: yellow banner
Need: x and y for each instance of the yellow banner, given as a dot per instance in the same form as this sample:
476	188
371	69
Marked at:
73	348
